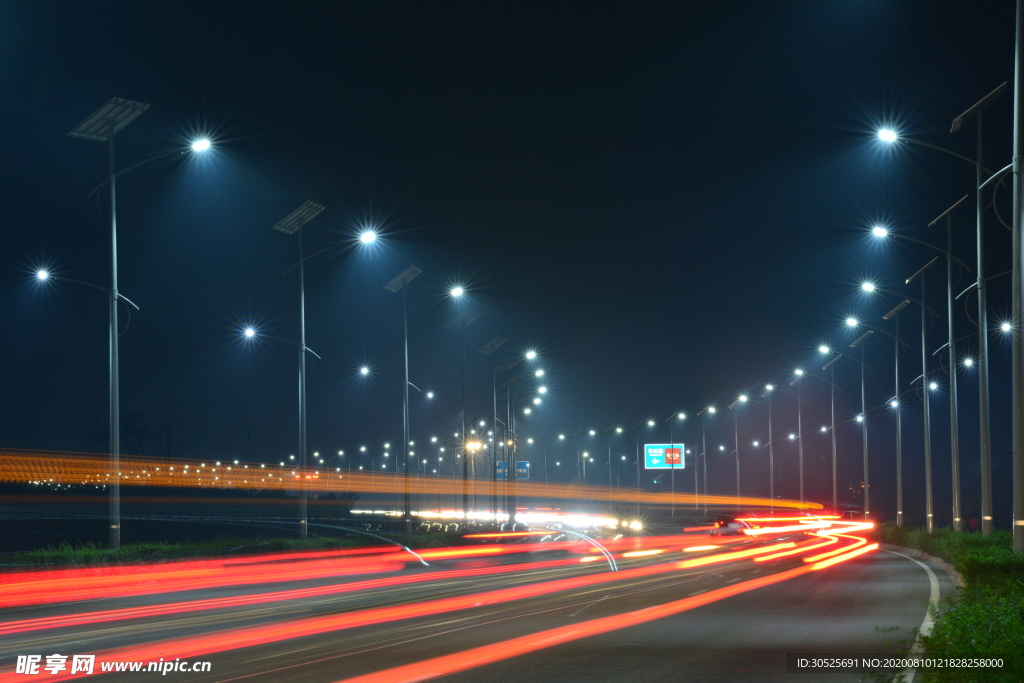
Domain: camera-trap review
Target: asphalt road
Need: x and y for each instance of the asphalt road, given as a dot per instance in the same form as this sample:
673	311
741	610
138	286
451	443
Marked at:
868	604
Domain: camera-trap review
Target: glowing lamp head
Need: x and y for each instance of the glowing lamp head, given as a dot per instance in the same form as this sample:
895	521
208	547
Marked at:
536	401
618	430
792	436
823	349
868	286
968	362
368	236
539	373
430	394
880	231
249	332
650	423
592	432
530	355
852	322
743	398
200	145
799	372
933	386
757	443
364	371
769	387
711	409
1005	327
824	428
894	404
42	274
887	135
542	390
860	418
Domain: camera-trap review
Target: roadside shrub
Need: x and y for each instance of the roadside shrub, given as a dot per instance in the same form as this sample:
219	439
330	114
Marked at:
979	623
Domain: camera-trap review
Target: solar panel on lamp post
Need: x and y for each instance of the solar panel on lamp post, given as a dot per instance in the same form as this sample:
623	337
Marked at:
293	223
399	283
102	126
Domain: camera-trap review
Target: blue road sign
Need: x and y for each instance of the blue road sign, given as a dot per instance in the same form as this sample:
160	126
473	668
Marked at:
522	470
664	456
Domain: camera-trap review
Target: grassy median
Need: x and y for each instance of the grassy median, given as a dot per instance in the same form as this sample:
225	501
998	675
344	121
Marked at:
986	617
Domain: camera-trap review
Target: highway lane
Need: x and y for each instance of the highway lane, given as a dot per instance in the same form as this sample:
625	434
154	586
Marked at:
338	653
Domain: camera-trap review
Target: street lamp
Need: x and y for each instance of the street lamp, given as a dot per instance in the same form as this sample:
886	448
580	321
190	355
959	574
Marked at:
768	390
399	282
862	418
929	503
102	126
951	344
292	223
975	112
799	373
741	399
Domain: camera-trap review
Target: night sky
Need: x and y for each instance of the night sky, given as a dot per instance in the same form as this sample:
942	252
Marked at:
670	202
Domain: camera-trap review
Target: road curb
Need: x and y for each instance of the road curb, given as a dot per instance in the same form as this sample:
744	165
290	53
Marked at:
942	564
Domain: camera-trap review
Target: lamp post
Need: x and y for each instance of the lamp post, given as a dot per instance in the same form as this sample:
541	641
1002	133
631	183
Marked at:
880	231
895	402
925	388
863	417
672	440
799	373
741	399
976	111
1017	301
292	223
705	411
824	350
400	282
768	390
102	126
